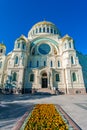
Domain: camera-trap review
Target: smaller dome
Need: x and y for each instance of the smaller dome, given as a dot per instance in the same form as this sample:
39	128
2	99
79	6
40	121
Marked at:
2	45
44	27
22	37
66	37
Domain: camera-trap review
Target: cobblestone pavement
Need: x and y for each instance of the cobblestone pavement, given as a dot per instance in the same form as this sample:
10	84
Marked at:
12	107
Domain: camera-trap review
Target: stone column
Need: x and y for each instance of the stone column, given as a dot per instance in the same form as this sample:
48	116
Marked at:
67	79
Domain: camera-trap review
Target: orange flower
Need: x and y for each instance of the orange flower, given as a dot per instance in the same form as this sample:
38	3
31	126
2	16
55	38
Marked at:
45	117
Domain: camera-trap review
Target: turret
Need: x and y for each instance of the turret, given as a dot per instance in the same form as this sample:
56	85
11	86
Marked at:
2	49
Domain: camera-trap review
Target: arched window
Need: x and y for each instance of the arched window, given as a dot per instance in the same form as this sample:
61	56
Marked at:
1	64
44	29
44	63
37	63
48	30
33	51
73	76
72	60
14	76
51	30
58	63
16	60
39	29
69	44
51	64
23	46
18	45
54	31
31	77
57	77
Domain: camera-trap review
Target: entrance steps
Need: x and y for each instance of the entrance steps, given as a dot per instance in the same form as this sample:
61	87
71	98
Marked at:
45	91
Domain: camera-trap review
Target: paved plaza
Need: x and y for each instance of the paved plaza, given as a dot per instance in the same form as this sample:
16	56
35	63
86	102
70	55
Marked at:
12	107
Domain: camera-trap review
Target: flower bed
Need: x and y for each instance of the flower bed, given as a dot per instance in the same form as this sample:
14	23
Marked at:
45	117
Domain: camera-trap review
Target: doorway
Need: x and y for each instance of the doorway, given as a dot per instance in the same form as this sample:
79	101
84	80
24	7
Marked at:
44	80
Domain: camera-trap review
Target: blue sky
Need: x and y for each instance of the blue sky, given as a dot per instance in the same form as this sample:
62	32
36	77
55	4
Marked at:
18	16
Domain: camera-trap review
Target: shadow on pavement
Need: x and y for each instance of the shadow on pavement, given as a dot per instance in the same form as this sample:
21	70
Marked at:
10	97
13	107
10	113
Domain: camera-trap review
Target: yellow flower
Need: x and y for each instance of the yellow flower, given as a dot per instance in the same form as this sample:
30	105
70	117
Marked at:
45	117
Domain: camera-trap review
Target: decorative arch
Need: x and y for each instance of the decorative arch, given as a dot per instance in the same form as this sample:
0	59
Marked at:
49	41
44	74
38	40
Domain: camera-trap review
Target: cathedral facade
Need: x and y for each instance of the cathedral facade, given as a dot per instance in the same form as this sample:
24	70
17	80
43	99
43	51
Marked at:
44	59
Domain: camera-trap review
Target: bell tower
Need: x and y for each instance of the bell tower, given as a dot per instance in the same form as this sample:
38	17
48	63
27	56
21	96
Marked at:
2	49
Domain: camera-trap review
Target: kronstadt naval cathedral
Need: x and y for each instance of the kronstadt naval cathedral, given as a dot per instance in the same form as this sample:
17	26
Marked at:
44	59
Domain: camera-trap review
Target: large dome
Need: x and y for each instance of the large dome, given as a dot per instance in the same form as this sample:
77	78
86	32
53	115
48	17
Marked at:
44	23
44	27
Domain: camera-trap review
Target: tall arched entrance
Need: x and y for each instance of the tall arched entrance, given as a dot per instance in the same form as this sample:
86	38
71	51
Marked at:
44	80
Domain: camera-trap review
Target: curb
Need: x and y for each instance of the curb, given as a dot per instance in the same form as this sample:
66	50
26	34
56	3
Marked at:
20	122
